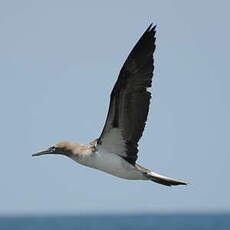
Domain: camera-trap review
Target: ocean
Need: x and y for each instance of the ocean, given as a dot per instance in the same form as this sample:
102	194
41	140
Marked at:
119	222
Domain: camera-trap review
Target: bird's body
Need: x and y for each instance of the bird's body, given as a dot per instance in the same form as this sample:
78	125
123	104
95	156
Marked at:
111	164
115	151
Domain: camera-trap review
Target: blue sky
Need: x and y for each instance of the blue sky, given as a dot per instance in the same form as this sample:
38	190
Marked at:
58	63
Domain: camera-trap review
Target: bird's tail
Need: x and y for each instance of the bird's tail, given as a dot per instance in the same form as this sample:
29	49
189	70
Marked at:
159	178
164	180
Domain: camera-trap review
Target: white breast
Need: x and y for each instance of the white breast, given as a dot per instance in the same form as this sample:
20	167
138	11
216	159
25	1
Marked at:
112	164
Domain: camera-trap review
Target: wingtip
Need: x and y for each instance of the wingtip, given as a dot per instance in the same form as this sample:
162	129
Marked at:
151	27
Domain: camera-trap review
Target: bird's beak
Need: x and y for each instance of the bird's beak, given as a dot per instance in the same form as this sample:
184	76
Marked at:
42	153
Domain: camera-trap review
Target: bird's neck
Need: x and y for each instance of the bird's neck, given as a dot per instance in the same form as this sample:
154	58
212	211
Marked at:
73	149
79	149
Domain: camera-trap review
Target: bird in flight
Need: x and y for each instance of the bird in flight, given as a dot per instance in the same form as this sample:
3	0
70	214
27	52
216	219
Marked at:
115	151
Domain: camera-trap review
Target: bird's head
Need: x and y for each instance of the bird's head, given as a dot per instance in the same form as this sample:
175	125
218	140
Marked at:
61	148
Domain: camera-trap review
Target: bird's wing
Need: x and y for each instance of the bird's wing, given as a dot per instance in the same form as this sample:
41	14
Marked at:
129	101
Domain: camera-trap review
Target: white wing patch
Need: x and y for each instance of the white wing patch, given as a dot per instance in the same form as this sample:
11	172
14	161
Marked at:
113	142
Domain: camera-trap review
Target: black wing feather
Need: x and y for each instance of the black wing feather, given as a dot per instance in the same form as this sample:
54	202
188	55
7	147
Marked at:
129	100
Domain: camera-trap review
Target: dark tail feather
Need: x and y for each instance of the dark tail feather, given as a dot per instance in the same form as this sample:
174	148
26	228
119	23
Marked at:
159	178
164	180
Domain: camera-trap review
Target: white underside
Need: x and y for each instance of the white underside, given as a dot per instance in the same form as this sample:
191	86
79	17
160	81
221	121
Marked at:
110	163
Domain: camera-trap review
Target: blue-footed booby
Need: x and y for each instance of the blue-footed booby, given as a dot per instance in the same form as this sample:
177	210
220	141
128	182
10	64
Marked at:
115	151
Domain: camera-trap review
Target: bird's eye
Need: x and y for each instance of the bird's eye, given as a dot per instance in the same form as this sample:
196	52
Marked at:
52	149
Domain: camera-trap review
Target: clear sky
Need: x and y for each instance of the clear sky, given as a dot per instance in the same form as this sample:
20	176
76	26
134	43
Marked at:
58	63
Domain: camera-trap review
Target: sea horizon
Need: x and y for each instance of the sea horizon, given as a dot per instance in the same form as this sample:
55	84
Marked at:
177	221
